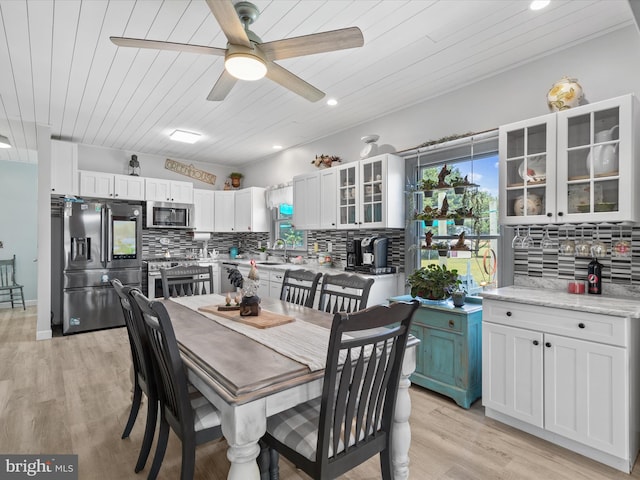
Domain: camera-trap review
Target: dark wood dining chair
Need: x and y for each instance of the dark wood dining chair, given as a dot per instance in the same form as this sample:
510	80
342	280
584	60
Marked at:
9	289
143	376
351	422
299	287
344	293
192	417
184	281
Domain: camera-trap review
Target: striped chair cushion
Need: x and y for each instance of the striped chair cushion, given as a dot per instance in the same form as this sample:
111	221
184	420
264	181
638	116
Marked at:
205	415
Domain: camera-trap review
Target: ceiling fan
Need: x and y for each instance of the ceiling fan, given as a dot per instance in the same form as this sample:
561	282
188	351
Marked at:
248	58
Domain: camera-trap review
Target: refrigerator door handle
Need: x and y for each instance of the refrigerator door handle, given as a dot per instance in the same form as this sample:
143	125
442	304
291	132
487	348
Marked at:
109	235
103	236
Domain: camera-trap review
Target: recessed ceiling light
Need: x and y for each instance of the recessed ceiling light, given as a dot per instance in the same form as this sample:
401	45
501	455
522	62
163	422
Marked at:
183	136
332	102
277	147
539	4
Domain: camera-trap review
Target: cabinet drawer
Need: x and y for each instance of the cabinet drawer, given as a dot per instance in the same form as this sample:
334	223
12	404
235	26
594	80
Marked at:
441	320
570	323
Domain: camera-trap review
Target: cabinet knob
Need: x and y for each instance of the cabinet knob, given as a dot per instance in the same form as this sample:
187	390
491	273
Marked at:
451	324
581	325
536	342
548	344
560	214
116	194
549	214
509	314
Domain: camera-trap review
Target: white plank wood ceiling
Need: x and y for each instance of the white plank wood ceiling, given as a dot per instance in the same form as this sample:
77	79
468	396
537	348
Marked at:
59	67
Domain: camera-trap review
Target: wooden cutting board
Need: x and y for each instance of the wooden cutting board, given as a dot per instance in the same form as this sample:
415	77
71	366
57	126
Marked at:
266	319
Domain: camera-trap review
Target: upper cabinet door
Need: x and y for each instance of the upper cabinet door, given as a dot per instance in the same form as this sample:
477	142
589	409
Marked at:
157	190
328	198
64	168
348	195
596	161
128	187
181	192
528	171
96	184
203	204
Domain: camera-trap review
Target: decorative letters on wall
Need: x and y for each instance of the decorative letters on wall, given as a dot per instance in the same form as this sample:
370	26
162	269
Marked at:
190	171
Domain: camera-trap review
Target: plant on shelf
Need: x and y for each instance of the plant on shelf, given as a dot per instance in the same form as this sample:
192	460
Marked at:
428	214
433	282
459	214
441	247
459	183
427	185
235	178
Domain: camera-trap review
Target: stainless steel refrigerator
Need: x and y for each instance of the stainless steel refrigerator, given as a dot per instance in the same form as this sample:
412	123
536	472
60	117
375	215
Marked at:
101	241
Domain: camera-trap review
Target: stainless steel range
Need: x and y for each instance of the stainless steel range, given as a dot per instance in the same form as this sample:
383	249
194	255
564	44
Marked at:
154	265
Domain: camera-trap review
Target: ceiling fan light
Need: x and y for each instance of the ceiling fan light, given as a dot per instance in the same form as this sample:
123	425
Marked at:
245	66
4	142
184	136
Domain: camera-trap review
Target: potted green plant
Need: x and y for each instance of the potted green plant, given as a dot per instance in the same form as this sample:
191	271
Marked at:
433	282
441	247
458	295
235	178
427	185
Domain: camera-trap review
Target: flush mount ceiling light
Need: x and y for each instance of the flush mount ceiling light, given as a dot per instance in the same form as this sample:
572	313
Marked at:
184	136
332	102
277	147
539	4
4	142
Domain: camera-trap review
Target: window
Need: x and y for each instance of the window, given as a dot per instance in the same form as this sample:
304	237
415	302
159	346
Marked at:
459	227
296	239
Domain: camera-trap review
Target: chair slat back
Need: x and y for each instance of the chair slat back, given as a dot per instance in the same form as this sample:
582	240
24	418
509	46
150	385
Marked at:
299	287
169	370
344	293
184	281
140	351
7	272
360	384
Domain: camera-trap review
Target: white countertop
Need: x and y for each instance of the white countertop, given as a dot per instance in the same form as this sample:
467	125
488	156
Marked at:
601	304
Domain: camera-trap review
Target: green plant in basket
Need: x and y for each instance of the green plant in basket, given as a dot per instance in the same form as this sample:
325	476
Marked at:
434	282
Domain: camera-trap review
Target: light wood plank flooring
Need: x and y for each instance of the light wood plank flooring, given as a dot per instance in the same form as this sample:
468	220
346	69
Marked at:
72	395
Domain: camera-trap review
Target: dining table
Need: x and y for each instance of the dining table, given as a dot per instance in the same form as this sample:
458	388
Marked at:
251	373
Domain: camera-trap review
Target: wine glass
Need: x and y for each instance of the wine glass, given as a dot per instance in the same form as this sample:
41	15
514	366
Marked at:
527	241
546	241
583	246
598	248
568	246
517	240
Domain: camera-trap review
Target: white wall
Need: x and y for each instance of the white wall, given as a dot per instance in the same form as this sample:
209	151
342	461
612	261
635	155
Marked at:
606	67
117	161
43	322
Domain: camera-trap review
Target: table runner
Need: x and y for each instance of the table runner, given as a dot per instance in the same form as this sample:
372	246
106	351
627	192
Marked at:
301	341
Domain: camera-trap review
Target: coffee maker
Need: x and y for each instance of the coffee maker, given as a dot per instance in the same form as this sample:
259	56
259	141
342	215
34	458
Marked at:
374	251
354	254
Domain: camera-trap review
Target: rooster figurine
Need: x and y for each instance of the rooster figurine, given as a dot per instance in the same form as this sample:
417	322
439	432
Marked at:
250	305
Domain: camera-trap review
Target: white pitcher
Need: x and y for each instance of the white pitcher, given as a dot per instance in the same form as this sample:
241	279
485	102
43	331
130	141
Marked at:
604	157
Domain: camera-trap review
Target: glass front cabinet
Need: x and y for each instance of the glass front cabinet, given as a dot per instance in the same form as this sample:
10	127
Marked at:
577	165
370	193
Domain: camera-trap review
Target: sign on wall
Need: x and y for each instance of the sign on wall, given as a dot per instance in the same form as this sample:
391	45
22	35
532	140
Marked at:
189	171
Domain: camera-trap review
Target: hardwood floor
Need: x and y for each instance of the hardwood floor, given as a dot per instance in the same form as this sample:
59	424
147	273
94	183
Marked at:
72	395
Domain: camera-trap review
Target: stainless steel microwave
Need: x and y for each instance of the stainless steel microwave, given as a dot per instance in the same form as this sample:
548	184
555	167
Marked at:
169	215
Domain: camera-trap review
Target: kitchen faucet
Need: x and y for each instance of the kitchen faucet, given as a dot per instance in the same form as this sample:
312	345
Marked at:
280	241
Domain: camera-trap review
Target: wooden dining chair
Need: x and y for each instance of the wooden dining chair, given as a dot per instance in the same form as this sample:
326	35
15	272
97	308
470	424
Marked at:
299	287
344	293
9	288
351	422
192	417
183	281
143	376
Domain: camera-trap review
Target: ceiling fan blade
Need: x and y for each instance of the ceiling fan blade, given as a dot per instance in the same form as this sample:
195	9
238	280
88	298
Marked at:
159	45
294	83
314	43
223	86
227	18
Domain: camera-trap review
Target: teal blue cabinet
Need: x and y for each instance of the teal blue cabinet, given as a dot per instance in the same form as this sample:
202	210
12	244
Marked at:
449	357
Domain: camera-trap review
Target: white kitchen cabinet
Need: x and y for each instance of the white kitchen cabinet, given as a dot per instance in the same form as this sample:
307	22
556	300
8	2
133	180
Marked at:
306	201
109	185
577	165
204	207
370	193
224	211
160	190
96	184
562	375
328	199
275	283
251	214
128	187
64	168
